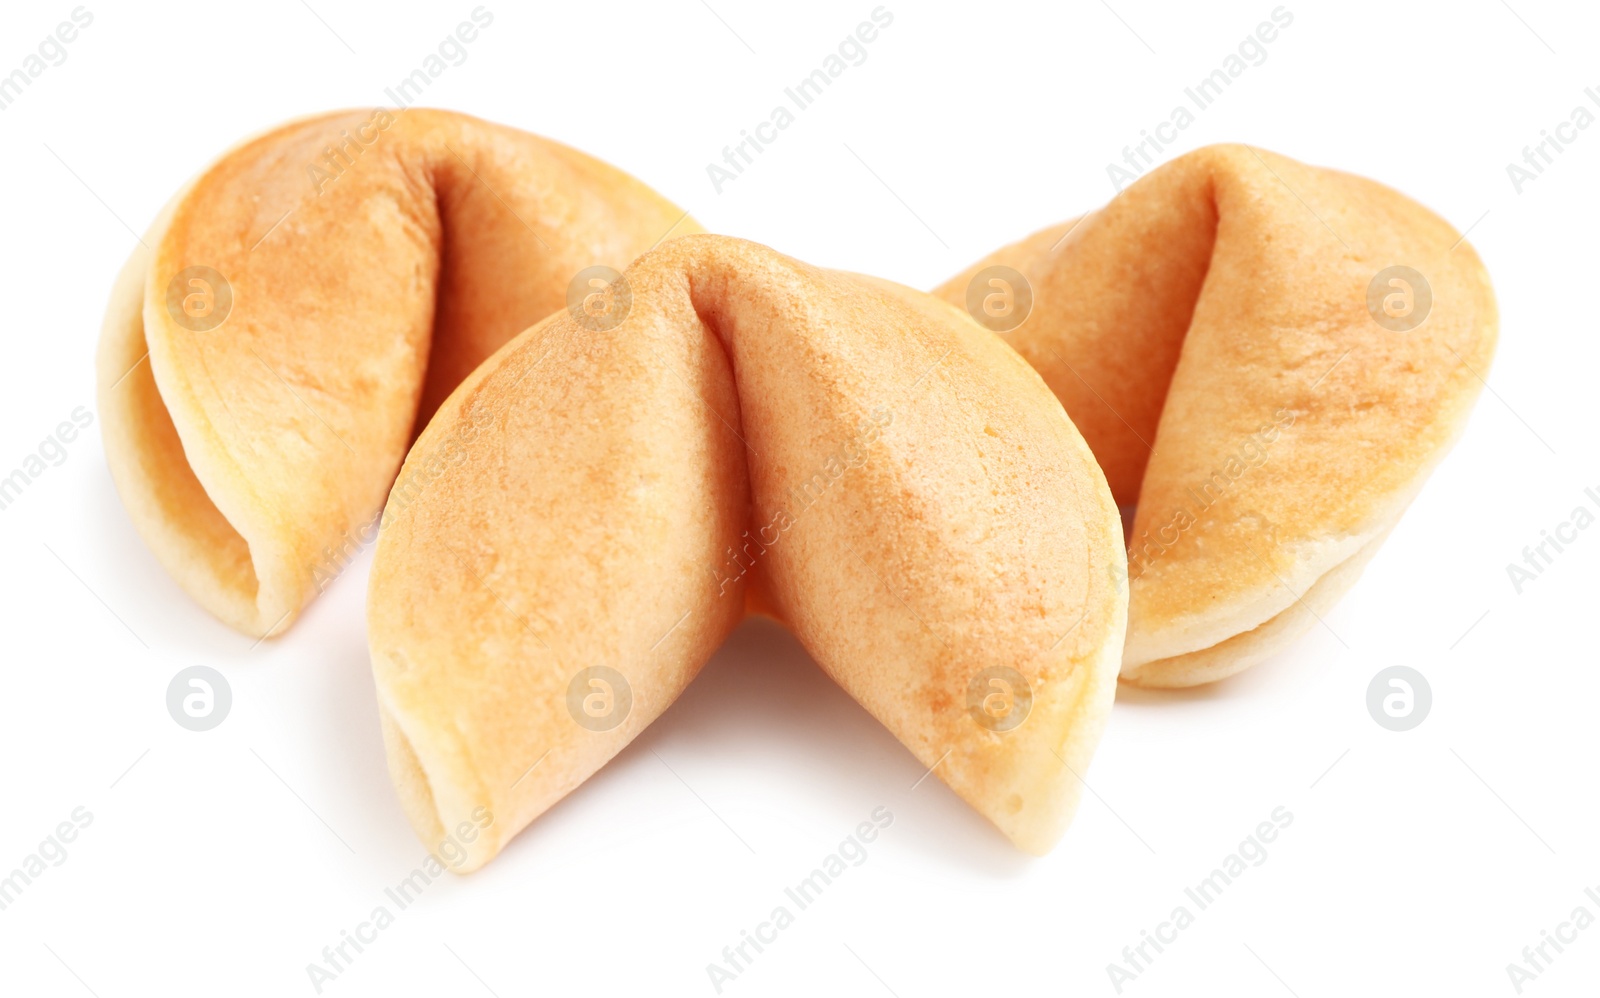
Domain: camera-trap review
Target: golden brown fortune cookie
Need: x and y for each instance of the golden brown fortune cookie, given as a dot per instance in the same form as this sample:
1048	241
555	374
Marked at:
904	490
300	308
1267	359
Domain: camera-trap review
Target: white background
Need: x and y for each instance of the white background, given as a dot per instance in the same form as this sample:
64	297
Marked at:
1417	863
